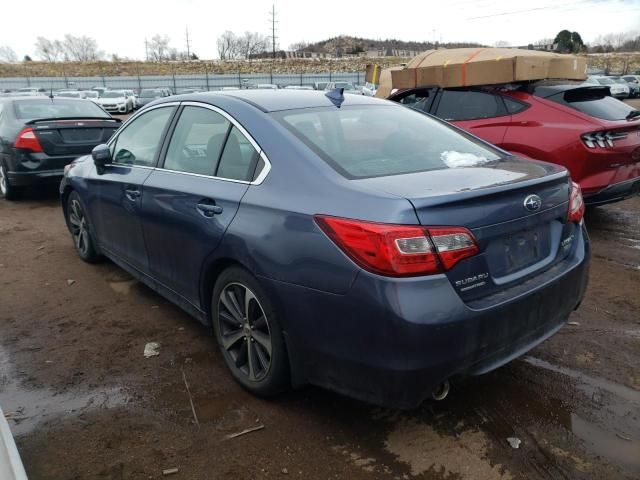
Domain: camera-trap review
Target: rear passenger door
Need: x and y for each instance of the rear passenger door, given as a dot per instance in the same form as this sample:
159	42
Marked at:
189	201
481	113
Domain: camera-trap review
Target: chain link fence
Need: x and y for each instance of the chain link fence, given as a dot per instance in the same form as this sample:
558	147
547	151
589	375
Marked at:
177	82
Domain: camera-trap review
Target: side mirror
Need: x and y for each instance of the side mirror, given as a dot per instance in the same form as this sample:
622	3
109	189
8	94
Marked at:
101	155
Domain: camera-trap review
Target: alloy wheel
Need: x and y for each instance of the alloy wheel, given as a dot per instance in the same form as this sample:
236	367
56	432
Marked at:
3	181
244	331
79	231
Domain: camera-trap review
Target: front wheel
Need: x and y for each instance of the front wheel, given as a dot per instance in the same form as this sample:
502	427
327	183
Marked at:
249	334
79	227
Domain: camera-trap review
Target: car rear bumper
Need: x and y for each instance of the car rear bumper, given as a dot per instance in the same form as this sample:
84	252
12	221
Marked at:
614	193
393	341
23	179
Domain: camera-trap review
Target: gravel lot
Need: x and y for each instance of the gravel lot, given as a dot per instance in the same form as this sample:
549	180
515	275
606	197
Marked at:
84	403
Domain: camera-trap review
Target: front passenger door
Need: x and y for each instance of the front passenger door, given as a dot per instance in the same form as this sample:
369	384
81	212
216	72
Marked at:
116	193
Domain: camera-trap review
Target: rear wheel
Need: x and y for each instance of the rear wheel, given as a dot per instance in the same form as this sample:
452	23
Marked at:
248	333
7	190
79	227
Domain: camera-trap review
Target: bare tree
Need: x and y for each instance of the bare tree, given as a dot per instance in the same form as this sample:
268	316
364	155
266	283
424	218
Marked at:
159	48
543	42
252	43
8	55
49	50
80	49
227	44
298	46
501	44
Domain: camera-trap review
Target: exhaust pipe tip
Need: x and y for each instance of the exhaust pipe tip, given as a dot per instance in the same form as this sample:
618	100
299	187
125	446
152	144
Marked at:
442	391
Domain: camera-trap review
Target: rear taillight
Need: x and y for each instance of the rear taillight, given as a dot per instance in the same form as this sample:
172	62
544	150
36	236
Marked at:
27	140
399	250
602	139
576	204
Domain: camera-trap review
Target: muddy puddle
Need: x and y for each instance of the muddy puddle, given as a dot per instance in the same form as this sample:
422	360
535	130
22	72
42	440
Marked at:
27	408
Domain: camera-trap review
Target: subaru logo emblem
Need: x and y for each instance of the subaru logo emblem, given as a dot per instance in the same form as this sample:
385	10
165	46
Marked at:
532	203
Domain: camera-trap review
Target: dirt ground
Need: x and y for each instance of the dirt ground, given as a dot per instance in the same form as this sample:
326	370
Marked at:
84	403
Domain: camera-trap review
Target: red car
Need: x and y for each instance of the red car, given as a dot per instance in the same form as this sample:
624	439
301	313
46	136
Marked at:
595	136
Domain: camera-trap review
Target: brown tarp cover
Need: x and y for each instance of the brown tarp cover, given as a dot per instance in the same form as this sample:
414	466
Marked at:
462	67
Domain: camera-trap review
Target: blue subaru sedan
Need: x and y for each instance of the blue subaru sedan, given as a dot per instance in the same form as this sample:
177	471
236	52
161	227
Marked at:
337	240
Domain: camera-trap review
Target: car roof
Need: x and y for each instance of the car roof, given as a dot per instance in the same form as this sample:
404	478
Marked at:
277	100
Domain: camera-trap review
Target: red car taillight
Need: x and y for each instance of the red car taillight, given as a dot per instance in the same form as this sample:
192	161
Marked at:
27	140
602	139
399	250
576	204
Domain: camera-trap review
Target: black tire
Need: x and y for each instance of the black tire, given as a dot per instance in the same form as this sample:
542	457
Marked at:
79	227
262	370
8	191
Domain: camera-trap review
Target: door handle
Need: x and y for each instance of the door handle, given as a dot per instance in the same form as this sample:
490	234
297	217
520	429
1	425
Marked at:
209	209
132	194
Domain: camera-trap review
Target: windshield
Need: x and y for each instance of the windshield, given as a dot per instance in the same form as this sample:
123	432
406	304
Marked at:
58	108
112	94
605	81
149	94
619	80
373	141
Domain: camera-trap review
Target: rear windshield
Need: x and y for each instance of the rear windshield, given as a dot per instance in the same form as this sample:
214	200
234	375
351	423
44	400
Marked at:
374	141
58	108
594	102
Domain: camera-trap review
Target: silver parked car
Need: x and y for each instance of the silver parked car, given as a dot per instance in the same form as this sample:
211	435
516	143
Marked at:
617	90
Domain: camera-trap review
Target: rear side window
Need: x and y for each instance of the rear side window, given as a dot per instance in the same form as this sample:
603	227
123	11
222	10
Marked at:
58	108
468	105
197	141
594	102
239	158
375	141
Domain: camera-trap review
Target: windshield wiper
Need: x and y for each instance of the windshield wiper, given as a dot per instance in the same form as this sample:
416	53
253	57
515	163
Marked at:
633	114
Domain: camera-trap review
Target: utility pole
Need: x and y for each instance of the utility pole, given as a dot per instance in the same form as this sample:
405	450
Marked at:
273	30
188	46
146	50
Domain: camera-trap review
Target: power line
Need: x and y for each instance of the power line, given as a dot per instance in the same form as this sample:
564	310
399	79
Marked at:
526	10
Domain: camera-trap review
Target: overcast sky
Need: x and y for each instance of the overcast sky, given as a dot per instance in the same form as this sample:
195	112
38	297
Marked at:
121	26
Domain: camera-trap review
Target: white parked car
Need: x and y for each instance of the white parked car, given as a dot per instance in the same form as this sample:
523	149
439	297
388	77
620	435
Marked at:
348	87
298	87
116	101
133	95
11	467
618	90
369	89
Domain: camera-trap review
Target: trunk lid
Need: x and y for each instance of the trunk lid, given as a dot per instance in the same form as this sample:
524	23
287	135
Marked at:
516	241
72	136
